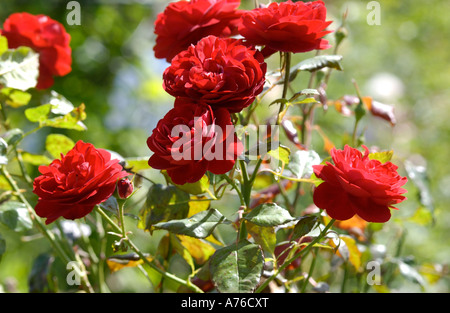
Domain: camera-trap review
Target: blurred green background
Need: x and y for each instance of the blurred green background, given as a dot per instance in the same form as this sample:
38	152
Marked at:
404	61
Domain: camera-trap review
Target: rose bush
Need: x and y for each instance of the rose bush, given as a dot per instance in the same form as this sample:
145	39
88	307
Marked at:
231	194
355	184
222	73
185	22
47	37
192	139
72	186
287	27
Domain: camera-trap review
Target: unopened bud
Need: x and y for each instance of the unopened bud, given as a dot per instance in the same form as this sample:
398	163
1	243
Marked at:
124	188
340	34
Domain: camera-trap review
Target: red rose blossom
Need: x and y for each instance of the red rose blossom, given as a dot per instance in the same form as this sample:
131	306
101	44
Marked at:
192	139
185	22
221	72
72	186
358	185
286	26
45	36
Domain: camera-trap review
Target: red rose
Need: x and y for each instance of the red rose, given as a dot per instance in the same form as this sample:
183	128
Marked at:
45	36
192	139
286	26
72	186
185	22
357	185
221	72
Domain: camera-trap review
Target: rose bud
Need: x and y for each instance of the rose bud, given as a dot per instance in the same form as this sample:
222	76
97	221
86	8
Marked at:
124	188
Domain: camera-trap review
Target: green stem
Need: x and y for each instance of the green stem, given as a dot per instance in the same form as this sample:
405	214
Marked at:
301	253
233	185
287	70
49	235
302	180
4	116
344	279
130	243
311	269
246	186
22	167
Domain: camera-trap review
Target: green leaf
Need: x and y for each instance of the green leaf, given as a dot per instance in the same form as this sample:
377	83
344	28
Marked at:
237	268
35	159
199	225
2	244
164	203
15	98
310	93
4	184
137	164
181	250
264	236
314	64
42	115
319	62
382	156
419	176
197	188
39	279
13	136
410	273
3	152
3	44
269	215
110	205
60	105
15	216
38	114
56	144
304	225
19	68
72	120
302	161
281	153
422	216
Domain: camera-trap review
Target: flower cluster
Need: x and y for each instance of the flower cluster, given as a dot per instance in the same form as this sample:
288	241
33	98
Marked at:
218	73
218	62
211	75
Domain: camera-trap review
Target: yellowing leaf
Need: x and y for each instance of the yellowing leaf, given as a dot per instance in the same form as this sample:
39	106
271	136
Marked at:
119	262
382	156
182	251
197	188
198	249
348	250
198	204
138	164
264	236
56	144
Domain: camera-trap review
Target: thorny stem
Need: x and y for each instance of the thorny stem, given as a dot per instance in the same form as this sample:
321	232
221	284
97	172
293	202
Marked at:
130	243
287	70
49	235
301	253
